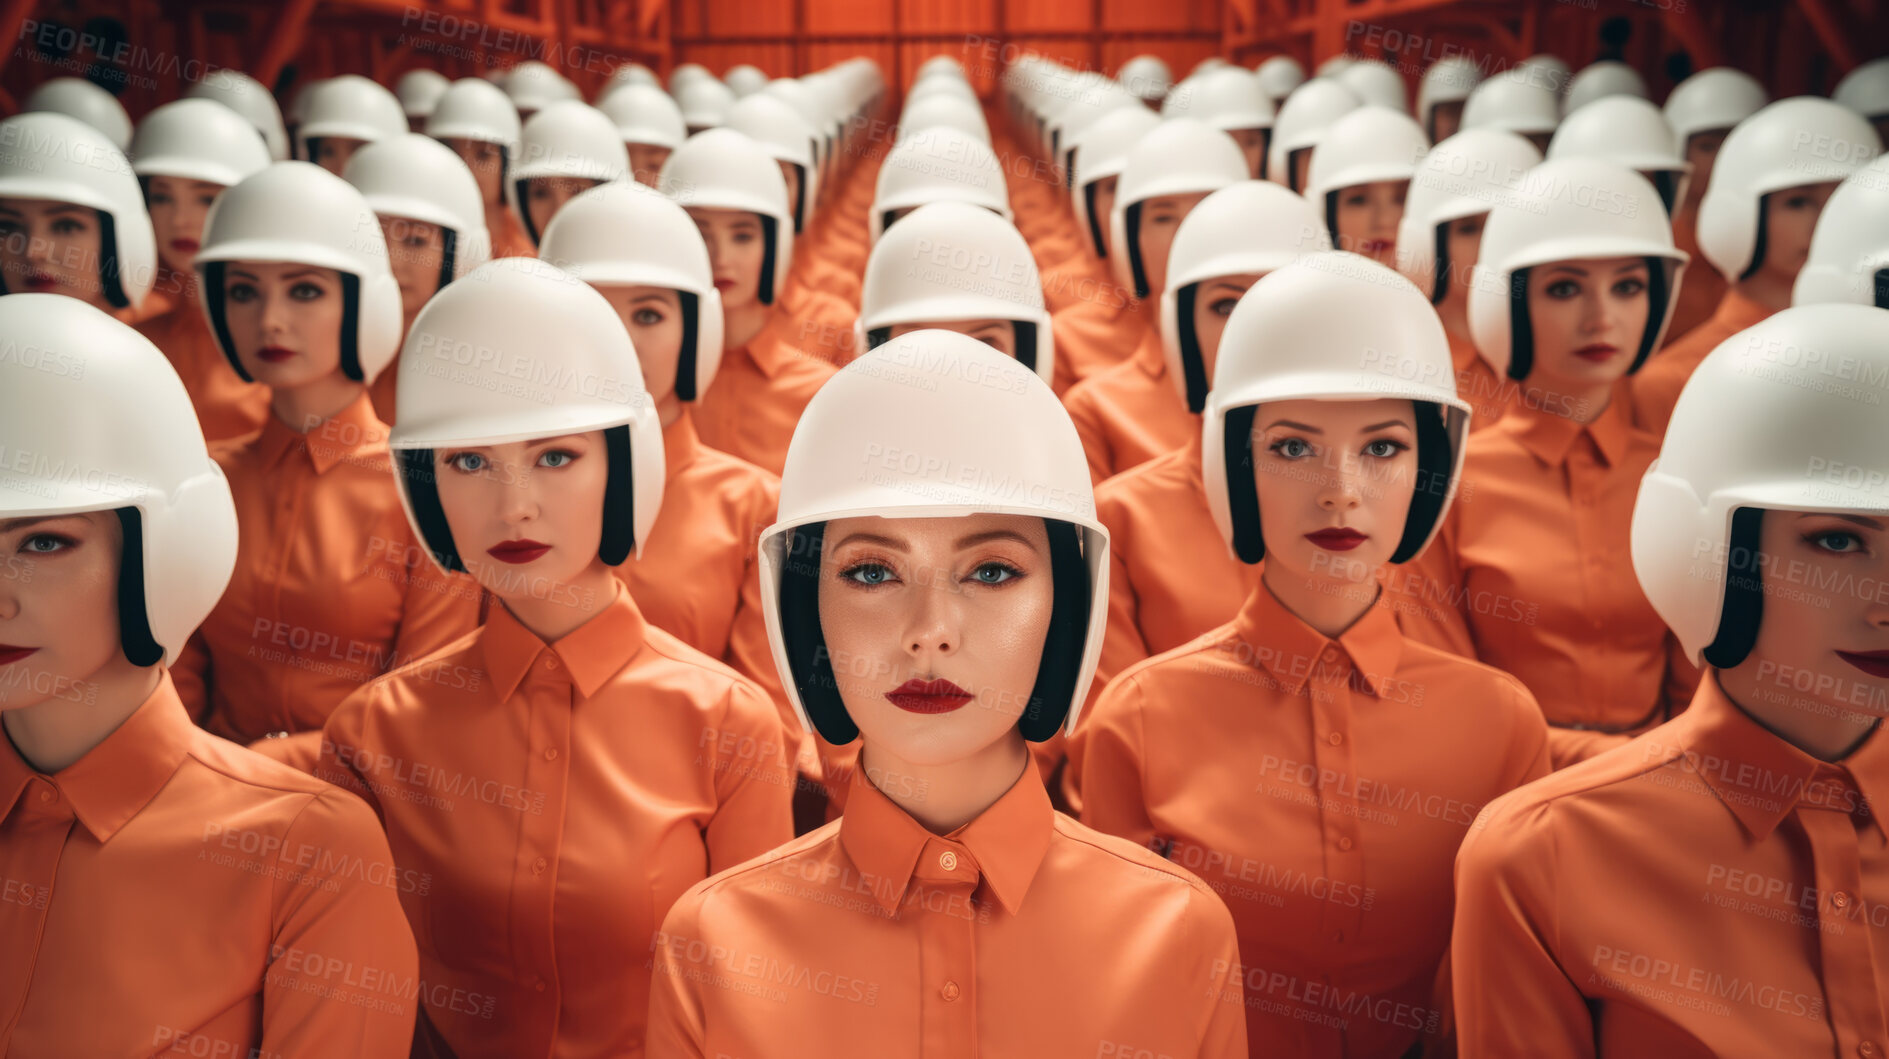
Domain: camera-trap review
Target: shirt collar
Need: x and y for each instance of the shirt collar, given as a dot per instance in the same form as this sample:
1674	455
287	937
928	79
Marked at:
344	434
591	653
1005	844
1736	312
1292	651
1762	778
681	443
1549	437
769	348
120	776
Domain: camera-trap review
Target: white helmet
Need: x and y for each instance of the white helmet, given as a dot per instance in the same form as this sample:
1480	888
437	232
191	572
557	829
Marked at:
115	429
1465	175
1251	226
1631	132
518	350
1865	89
1226	98
1760	424
1717	98
1098	153
1602	79
246	96
565	139
1803	140
81	99
1377	84
631	73
940	164
1549	71
299	212
1178	157
1518	101
786	136
1279	76
352	107
949	403
686	72
795	95
942	110
744	80
704	102
1365	146
1336	327
1072	121
419	91
1146	76
952	261
475	109
63	159
1334	66
627	235
195	139
533	86
1849	252
421	179
724	170
1569	210
1448	80
1307	113
645	114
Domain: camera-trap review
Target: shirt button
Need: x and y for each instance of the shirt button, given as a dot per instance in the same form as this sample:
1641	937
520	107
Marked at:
538	985
1331	654
1344	842
1868	1050
1338	935
539	864
950	991
46	795
949	862
1336	738
1839	900
550	661
551	754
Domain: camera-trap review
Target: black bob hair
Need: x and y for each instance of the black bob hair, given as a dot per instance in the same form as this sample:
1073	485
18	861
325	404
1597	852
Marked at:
1744	593
213	300
1522	331
1024	331
110	269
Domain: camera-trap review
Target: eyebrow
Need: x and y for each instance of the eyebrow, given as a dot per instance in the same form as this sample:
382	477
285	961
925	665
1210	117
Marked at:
1290	425
1860	520
1405	423
51	207
1228	284
11	524
640	298
967	541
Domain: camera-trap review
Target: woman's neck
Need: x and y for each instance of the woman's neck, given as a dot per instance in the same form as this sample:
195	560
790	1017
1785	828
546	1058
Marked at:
1827	734
303	408
1768	288
53	734
739	326
1454	310
552	615
945	797
1330	605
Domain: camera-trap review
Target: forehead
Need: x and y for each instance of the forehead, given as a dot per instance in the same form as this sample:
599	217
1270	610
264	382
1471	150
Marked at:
273	270
936	534
639	293
1336	417
706	217
1595	266
36	207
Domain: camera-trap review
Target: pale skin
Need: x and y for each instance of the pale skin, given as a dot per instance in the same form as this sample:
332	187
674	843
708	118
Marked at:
415	250
332	152
52	248
1588	318
1790	216
1252	144
737	244
1445	120
1161	219
1368	216
965	599
292	313
1104	208
548	490
485	159
545	196
1214	300
1000	335
653	317
1463	240
1802	631
646	161
1320	465
59	596
178	208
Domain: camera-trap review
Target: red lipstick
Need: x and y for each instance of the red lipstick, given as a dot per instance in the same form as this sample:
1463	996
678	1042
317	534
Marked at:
1598	352
929	696
1875	663
1337	538
275	354
1375	246
10	654
724	284
519	551
40	282
185	246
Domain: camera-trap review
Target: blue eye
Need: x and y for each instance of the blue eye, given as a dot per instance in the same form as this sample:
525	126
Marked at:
995	573
1384	449
1292	448
1838	541
556	458
869	574
45	544
468	462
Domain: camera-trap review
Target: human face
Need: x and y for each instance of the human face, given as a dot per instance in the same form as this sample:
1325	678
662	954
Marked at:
58	605
285	320
1588	319
1252	143
1160	219
1334	481
1463	240
1105	208
1445	120
486	160
415	251
332	152
1000	335
653	317
1368	216
178	209
737	244
963	600
526	516
1300	162
1819	653
49	247
1790	216
791	174
1702	152
1214	300
545	196
646	161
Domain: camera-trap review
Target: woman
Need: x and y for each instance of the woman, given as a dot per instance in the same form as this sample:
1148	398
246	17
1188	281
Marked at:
567	771
185	154
330	589
1315	765
479	123
1717	887
229	905
72	219
950	905
568	148
1529	573
344	114
1360	177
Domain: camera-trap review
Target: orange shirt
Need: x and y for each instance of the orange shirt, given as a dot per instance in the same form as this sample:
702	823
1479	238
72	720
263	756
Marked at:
331	587
1530	573
1702	287
1488	394
1322	787
1130	413
171	893
227	406
1708	889
1021	933
560	798
509	238
759	391
1104	325
1656	387
821	324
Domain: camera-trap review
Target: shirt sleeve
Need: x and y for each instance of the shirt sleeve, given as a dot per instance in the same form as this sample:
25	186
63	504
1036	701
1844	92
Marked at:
754	782
438	609
675	1026
343	957
1438	595
191	675
1089	429
1112	751
1225	1033
1530	756
344	761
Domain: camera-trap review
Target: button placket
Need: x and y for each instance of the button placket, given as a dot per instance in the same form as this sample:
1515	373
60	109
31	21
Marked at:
1339	916
547	697
941	901
1848	963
